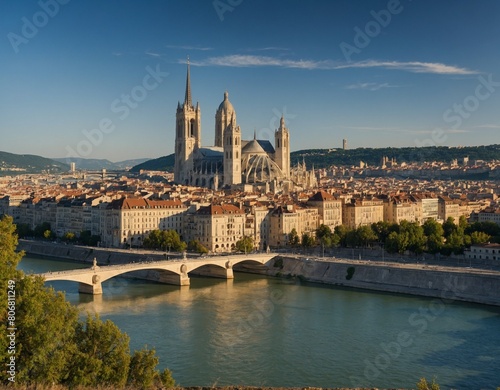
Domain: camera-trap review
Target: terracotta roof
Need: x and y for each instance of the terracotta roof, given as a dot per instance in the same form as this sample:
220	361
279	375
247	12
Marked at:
321	196
220	209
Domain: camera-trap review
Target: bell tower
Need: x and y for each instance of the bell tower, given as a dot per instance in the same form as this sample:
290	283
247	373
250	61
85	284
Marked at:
232	154
282	148
187	134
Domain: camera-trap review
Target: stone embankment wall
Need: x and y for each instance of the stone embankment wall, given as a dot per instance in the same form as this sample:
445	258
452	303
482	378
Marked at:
479	286
86	254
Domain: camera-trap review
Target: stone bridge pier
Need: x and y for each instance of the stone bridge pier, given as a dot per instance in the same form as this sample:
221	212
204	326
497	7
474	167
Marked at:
95	288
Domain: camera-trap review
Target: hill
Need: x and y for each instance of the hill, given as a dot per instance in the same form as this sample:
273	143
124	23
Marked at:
93	164
29	163
165	163
322	158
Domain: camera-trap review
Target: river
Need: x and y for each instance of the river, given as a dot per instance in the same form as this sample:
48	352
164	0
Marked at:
262	331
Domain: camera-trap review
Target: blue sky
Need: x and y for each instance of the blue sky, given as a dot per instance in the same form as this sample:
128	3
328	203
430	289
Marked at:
379	73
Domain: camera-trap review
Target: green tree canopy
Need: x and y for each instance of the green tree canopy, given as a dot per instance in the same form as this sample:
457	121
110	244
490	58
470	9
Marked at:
293	238
53	346
164	240
244	244
196	246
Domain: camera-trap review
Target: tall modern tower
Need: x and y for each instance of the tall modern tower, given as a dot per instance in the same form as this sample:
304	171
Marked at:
187	134
344	144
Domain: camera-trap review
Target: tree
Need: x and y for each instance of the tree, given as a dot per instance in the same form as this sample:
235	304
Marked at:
449	227
325	236
24	230
40	230
293	238
164	239
366	235
69	237
424	385
434	232
415	234
382	229
172	241
307	240
46	340
397	242
87	238
196	246
153	240
143	373
53	344
341	231
48	235
244	244
432	228
479	238
454	244
102	356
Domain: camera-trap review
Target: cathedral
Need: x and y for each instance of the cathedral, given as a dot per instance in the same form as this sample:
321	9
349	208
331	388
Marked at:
232	161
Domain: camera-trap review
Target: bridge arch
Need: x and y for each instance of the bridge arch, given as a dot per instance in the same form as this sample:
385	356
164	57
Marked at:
163	271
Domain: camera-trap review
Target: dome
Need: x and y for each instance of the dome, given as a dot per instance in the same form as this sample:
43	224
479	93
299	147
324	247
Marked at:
226	104
259	168
253	147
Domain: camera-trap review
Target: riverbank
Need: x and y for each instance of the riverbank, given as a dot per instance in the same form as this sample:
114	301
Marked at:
448	283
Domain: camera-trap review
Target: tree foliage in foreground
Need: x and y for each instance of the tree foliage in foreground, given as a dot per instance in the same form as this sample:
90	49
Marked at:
54	345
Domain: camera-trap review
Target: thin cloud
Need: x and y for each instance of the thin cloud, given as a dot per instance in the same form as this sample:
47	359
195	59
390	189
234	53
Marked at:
487	126
243	60
413	67
405	131
183	47
270	48
152	54
370	86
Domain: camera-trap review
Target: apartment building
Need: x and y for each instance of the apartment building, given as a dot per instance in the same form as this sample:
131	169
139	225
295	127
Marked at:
329	208
361	212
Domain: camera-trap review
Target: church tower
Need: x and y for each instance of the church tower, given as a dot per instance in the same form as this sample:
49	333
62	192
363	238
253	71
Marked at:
282	148
187	134
223	117
232	154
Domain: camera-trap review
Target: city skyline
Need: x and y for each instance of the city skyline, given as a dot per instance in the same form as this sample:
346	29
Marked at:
97	81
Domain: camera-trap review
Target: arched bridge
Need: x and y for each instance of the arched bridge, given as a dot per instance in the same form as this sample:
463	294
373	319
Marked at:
165	271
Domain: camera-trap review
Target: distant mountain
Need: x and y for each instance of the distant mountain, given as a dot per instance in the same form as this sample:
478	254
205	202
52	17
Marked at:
322	158
92	164
29	163
165	163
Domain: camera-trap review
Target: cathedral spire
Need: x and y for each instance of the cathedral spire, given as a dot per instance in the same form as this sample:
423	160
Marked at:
187	100
282	122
